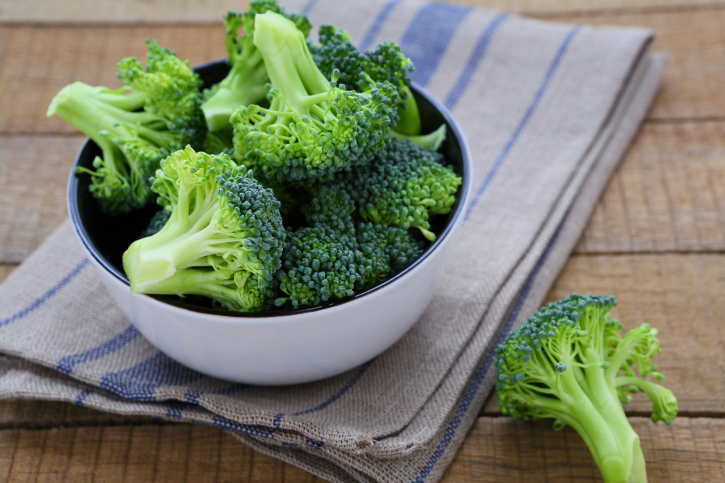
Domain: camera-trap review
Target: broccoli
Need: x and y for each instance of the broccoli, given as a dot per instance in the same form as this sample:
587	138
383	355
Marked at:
403	186
568	362
328	202
313	128
332	259
133	143
432	140
223	239
385	63
245	83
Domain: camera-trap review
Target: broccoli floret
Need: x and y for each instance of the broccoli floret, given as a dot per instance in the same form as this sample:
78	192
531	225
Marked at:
320	263
332	259
328	202
385	63
245	83
403	186
133	141
313	128
568	362
396	247
223	239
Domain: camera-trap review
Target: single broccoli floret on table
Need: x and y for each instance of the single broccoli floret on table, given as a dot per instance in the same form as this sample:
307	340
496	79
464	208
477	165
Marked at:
385	63
133	141
223	239
313	128
568	362
245	83
403	186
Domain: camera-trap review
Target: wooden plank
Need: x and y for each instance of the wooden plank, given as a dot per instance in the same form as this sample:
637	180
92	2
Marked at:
496	449
42	59
33	175
162	453
668	194
198	11
500	449
681	295
46	414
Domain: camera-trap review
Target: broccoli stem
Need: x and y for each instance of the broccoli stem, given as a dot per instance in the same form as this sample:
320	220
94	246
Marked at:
409	122
244	85
279	41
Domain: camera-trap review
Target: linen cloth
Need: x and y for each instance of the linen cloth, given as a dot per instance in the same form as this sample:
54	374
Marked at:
548	110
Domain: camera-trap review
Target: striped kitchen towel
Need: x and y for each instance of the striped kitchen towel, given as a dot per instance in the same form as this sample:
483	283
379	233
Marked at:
548	110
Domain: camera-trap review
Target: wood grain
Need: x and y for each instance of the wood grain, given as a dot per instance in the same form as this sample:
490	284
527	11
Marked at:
42	59
501	449
198	11
496	450
667	195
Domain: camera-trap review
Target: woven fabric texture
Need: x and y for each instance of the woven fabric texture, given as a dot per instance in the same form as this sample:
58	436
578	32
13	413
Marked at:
548	110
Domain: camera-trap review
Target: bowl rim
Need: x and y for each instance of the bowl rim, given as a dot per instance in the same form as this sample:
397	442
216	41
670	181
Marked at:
456	218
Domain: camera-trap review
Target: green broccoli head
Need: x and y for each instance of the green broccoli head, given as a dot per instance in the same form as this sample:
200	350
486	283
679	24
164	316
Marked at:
568	362
403	186
133	141
246	82
313	128
384	64
223	239
328	201
320	263
333	258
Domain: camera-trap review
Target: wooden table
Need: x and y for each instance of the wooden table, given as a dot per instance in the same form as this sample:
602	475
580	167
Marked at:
656	240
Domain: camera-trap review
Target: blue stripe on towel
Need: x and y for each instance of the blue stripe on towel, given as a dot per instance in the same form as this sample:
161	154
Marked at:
356	377
470	394
428	35
66	364
479	51
524	120
141	381
39	302
377	24
308	8
230	425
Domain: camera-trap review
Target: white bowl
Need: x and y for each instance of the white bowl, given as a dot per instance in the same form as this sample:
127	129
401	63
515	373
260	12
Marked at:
275	347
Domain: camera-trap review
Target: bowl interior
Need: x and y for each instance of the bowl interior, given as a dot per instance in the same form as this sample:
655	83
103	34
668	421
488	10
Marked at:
108	237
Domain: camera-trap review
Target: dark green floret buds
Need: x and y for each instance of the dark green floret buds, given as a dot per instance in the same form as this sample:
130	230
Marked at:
223	239
403	186
569	362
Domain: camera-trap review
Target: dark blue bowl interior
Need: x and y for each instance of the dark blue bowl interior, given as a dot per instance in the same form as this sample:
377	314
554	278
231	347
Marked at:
108	237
